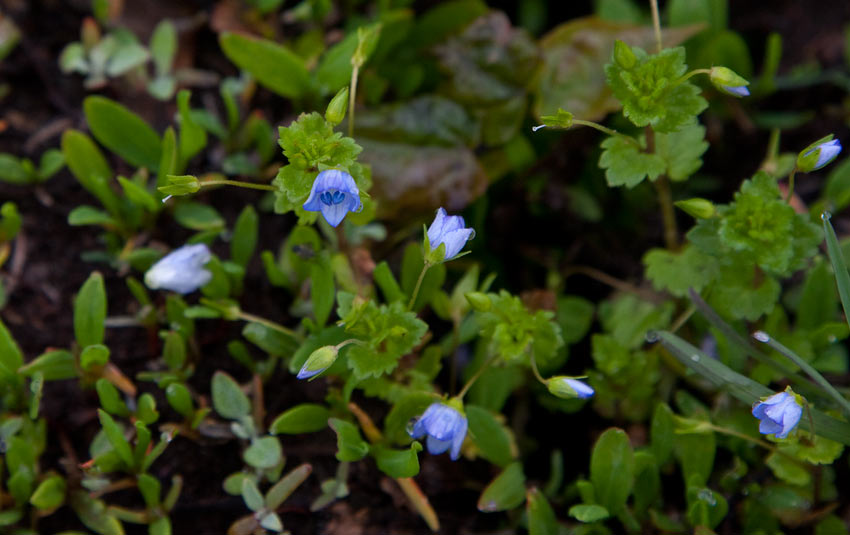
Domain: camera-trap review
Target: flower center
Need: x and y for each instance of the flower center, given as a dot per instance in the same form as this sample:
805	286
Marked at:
331	197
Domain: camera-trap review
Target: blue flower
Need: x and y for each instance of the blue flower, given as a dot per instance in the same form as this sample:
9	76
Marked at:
567	387
737	91
779	414
445	426
334	193
826	152
449	230
181	270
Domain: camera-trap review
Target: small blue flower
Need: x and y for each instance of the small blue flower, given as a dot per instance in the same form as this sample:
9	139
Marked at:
779	414
181	270
738	91
334	193
445	427
318	361
568	387
827	151
449	230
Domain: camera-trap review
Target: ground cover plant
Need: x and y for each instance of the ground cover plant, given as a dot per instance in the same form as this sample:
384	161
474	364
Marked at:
411	267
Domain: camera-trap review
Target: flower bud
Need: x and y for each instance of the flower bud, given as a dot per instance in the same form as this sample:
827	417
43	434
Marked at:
818	154
181	185
319	361
728	81
562	119
567	388
479	301
335	112
623	55
698	208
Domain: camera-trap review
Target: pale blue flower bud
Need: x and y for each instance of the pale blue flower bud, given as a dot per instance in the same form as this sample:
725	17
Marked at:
334	193
448	230
181	270
779	414
818	154
737	91
445	425
318	361
568	387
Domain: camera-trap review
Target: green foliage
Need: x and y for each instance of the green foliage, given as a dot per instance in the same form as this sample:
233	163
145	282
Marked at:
389	332
652	92
514	333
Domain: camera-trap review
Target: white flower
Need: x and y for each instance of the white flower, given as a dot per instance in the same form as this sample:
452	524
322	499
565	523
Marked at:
181	270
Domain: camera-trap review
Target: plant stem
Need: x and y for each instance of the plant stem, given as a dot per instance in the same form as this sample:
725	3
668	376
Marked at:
535	370
475	377
352	95
415	293
687	76
656	24
763	337
268	323
743	436
237	183
791	185
606	130
665	199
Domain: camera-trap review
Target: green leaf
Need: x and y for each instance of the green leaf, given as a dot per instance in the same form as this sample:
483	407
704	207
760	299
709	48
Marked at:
612	468
350	447
677	272
54	365
150	488
302	418
505	492
390	332
626	164
411	265
11	357
274	66
386	281
12	171
123	132
180	399
116	437
146	410
682	150
251	494
89	215
50	163
839	267
110	399
589	513
334	68
541	517
228	399
90	311
651	92
244	239
661	433
163	46
49	494
270	340
264	452
286	486
197	216
818	298
322	291
491	437
647	480
398	463
94	514
787	469
139	196
88	164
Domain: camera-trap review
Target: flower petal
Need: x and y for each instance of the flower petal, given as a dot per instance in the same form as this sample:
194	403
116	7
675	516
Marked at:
455	240
436	228
457	440
436	446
